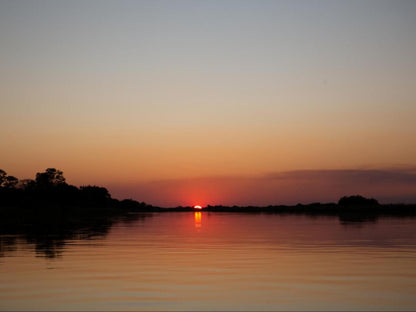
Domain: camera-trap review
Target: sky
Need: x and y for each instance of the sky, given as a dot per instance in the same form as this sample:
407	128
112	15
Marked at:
212	102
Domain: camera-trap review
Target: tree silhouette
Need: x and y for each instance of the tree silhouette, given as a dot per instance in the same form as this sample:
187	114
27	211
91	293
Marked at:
27	184
49	195
10	182
357	200
95	195
50	178
95	191
7	181
3	176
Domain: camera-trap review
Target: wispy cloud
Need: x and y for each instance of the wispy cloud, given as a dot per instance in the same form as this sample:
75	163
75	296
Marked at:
350	175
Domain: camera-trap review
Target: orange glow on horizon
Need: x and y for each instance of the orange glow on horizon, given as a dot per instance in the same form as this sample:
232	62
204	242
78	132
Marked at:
198	207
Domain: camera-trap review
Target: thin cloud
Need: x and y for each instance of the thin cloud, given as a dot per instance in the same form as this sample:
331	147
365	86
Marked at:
350	175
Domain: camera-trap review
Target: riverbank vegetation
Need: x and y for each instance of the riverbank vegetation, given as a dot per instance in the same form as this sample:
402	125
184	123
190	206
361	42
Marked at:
50	195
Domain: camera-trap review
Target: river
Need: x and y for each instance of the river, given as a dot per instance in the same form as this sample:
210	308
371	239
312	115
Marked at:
208	261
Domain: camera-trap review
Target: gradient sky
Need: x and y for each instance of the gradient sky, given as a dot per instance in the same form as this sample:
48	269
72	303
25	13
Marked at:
207	102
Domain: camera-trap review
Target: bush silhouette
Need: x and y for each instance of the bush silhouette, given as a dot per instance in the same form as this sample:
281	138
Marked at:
357	200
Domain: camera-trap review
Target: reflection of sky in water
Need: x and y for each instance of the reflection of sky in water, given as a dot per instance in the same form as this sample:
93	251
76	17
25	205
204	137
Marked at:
234	262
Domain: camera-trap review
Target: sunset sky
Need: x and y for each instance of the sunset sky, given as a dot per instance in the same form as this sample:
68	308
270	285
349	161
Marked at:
212	102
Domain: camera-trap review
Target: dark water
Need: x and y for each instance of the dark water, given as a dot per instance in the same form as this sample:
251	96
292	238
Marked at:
214	261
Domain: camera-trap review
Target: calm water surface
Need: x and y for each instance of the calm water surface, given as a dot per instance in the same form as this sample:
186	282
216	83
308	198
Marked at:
215	261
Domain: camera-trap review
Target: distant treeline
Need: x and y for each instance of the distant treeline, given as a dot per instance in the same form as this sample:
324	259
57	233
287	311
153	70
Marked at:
49	190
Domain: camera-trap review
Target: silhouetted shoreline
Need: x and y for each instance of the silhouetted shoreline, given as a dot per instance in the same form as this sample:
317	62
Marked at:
315	208
49	196
47	212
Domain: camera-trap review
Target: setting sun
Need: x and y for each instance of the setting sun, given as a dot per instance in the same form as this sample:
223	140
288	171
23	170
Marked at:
197	207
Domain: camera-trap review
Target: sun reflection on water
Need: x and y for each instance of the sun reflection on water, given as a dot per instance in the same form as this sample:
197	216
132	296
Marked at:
198	219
